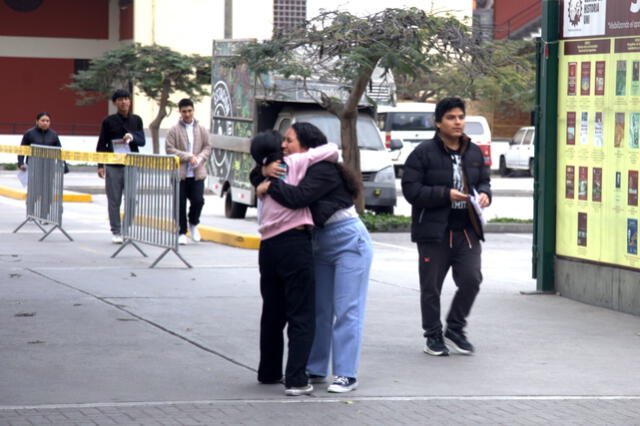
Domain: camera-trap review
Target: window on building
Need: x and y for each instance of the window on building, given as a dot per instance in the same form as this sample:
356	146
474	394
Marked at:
288	13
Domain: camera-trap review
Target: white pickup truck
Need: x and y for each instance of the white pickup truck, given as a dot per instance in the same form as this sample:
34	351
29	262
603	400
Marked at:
520	154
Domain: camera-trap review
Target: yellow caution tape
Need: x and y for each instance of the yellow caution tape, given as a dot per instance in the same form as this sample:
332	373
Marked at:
139	160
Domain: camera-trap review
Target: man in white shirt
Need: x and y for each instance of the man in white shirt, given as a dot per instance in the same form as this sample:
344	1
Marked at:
189	140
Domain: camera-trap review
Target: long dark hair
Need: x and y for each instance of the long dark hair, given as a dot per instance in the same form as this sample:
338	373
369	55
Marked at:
310	136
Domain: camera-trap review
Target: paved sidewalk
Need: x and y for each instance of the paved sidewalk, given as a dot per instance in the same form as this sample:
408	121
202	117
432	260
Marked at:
87	339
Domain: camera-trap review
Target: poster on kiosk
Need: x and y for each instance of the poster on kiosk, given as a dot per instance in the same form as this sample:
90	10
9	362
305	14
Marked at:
599	132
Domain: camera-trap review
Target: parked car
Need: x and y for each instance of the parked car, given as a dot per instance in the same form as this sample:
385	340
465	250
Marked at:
520	154
408	122
477	128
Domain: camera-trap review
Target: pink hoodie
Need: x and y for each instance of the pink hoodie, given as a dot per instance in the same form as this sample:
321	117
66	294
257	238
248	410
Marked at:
275	219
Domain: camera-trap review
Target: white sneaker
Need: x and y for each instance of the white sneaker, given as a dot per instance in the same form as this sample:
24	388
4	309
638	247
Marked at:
297	391
117	239
195	235
182	240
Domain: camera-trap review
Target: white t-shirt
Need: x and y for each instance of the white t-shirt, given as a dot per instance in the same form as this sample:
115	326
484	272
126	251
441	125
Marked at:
189	128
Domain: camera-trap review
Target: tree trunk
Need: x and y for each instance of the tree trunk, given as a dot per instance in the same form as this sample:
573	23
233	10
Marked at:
350	150
154	126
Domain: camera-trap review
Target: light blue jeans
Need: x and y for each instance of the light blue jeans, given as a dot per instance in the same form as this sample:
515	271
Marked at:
342	256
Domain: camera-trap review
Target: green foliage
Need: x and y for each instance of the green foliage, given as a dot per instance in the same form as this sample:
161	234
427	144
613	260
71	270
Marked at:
509	220
154	70
9	166
508	83
385	222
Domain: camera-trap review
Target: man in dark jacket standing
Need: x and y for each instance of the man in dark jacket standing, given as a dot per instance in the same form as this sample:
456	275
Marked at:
440	176
121	132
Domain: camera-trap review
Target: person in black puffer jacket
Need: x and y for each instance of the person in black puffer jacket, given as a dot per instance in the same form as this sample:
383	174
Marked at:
41	134
439	177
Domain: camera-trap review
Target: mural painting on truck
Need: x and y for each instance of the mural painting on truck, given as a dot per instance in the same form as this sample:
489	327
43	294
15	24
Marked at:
243	104
232	97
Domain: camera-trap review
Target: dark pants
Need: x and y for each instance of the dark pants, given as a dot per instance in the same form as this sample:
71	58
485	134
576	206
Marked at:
114	187
193	190
287	288
435	260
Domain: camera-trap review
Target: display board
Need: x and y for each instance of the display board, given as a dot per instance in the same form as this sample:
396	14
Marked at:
599	132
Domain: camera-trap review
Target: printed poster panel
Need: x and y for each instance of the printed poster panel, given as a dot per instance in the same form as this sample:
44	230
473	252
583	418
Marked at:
599	150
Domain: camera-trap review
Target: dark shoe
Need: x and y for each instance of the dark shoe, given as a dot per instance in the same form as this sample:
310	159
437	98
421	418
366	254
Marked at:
315	379
298	390
343	384
459	342
435	346
272	381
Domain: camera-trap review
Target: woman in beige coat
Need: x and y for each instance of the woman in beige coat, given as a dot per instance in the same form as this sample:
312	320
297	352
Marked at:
190	142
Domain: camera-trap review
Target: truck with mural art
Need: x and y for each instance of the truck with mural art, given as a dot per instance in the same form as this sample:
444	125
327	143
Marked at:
244	104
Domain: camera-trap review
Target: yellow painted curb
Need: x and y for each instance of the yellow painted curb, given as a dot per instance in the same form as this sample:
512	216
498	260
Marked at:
235	239
78	197
18	194
21	194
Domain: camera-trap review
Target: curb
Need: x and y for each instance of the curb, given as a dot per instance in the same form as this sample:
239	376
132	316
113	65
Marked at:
20	194
230	238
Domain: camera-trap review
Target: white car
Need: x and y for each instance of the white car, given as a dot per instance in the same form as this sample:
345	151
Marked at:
408	122
477	128
520	154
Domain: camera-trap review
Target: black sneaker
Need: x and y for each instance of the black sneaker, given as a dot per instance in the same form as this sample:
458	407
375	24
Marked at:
435	346
343	384
459	341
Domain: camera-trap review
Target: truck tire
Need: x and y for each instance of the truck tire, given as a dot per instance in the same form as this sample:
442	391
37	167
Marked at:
382	209
504	171
531	167
234	210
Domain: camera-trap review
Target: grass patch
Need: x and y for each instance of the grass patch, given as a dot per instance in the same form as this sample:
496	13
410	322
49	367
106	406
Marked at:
509	220
385	222
9	166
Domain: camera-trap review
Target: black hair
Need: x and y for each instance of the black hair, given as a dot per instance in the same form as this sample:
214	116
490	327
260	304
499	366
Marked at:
42	114
120	93
447	104
266	147
309	135
186	102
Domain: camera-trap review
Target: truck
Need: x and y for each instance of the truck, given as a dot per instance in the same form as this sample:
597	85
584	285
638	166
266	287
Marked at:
244	104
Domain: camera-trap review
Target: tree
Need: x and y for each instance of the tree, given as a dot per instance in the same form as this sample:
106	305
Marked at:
338	46
508	84
156	71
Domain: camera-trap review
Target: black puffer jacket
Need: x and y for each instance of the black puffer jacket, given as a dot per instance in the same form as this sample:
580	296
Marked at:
35	136
427	182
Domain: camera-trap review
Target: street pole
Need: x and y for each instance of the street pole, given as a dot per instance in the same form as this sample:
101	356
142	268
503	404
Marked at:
546	149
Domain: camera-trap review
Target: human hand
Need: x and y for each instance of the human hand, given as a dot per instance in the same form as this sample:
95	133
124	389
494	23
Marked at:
101	172
127	138
483	200
194	161
273	170
262	189
456	195
22	167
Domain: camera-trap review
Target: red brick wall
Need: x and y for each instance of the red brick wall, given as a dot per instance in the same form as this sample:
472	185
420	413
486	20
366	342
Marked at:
87	19
32	85
505	10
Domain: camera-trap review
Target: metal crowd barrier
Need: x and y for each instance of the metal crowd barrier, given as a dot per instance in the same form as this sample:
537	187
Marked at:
151	201
45	179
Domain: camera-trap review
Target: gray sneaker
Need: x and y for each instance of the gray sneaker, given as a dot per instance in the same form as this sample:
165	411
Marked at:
298	390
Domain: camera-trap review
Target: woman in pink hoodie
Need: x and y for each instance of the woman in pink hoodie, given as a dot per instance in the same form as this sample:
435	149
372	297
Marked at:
286	270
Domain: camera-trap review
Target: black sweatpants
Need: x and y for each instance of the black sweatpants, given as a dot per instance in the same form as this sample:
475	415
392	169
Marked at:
287	288
460	251
193	190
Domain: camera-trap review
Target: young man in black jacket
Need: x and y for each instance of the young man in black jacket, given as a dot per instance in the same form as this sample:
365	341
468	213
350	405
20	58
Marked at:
121	133
440	176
